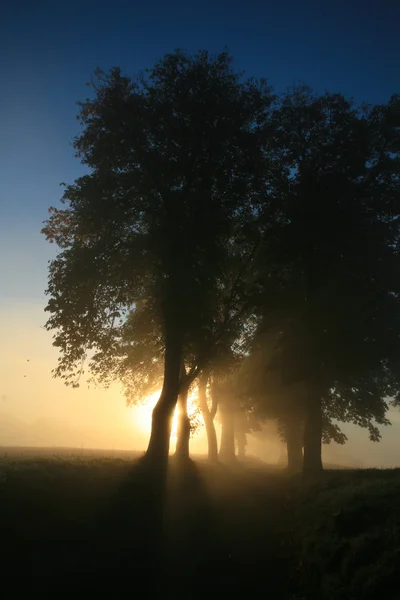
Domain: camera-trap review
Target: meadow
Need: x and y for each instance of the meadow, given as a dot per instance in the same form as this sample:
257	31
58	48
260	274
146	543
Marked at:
97	521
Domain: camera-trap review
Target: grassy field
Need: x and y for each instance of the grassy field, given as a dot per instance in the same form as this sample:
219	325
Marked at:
97	522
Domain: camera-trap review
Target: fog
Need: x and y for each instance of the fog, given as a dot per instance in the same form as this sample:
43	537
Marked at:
38	410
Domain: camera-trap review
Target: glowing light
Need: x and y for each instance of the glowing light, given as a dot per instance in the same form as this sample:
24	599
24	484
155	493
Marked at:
143	412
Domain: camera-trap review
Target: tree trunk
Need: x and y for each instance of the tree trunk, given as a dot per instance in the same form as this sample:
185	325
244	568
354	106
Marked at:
227	449
158	448
211	437
294	444
241	440
312	463
208	417
183	434
240	424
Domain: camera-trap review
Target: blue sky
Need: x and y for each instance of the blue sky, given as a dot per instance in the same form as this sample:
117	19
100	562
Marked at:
48	51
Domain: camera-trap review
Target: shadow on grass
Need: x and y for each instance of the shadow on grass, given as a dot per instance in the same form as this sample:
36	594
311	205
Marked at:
158	534
94	522
102	525
115	526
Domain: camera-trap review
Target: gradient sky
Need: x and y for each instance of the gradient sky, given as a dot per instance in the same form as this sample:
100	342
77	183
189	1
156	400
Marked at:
48	51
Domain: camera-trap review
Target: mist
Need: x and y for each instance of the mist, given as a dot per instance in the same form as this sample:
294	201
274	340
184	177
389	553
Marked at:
39	411
200	300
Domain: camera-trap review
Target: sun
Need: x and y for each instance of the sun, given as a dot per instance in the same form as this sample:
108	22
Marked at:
143	412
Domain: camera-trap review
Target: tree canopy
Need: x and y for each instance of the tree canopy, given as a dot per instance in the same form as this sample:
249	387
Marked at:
175	166
332	283
217	221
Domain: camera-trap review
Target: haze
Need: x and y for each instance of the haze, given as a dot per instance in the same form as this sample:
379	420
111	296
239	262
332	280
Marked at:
38	410
50	56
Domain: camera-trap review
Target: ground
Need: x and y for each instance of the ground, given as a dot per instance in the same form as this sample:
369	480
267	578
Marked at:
97	522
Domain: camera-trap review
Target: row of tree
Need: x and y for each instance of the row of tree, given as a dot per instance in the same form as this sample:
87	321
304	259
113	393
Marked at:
236	238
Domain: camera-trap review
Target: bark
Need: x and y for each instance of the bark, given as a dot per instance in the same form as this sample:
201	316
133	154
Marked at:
158	448
294	444
208	417
227	449
183	434
312	463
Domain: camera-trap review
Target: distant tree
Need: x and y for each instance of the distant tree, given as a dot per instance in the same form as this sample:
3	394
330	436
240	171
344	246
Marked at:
226	399
262	395
241	430
135	354
331	229
227	407
175	162
208	407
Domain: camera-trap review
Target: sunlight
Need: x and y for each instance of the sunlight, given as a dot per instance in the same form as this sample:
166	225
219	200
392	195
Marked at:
142	414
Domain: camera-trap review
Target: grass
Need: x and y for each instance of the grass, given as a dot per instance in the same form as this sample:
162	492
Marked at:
104	524
346	530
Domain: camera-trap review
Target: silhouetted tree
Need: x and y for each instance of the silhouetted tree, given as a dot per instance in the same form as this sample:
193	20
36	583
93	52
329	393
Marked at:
183	433
241	431
292	432
135	355
333	281
260	388
227	402
175	164
208	410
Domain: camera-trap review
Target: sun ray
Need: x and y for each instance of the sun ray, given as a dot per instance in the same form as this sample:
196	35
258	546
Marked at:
143	412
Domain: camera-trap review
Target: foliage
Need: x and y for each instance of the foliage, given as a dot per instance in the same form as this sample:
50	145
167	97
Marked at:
330	289
138	246
297	270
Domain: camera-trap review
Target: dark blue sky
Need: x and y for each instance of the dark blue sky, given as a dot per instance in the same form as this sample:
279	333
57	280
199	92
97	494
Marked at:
48	51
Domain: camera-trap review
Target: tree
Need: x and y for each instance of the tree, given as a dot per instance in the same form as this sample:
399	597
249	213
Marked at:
241	430
264	396
164	152
227	418
183	434
208	414
134	355
333	282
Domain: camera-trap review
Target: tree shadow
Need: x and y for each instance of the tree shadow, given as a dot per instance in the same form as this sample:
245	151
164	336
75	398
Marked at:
115	528
191	544
158	530
218	532
131	531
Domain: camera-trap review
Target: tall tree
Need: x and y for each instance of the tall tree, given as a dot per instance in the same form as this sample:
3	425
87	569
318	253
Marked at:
208	410
183	434
335	273
164	153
